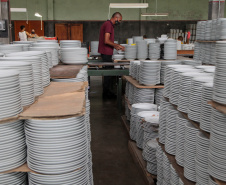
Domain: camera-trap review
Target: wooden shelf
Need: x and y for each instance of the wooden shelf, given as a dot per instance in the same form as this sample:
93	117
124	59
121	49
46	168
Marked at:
218	106
126	125
219	182
185	52
138	159
137	85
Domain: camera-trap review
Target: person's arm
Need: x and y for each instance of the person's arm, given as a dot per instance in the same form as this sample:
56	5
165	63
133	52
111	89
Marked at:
110	43
28	34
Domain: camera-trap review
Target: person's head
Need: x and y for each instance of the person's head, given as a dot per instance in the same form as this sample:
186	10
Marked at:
180	38
22	27
116	18
33	31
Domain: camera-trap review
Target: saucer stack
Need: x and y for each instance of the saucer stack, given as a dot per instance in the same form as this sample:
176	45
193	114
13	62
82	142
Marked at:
154	51
130	52
170	49
142	50
159	158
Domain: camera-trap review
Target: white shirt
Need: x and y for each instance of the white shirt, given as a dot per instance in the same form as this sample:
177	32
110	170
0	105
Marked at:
23	36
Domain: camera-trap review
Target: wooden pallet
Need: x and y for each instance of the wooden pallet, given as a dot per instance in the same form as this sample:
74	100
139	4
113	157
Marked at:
218	106
126	125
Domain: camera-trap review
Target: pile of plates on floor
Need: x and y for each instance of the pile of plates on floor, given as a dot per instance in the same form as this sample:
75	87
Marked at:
154	51
170	49
190	152
137	38
142	50
94	48
14	178
158	96
201	161
26	79
142	95
174	176
166	169
130	52
74	55
159	159
149	72
70	44
208	30
13	147
10	48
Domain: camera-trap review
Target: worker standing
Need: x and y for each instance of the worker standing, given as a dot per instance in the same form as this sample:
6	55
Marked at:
106	47
33	34
23	34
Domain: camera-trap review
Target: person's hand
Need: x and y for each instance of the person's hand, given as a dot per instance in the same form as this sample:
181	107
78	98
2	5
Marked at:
123	48
117	47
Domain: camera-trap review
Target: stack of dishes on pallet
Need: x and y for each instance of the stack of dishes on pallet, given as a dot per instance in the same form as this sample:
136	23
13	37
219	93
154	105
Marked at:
222	29
170	49
10	48
133	68
26	79
197	51
131	92
70	44
202	52
14	178
149	154
159	159
137	38
24	46
191	62
142	95
158	96
174	178
150	40
13	146
190	152
208	30
149	72
118	56
166	169
23	42
154	51
53	41
214	29
39	54
201	160
212	60
199	30
130	52
37	70
94	48
142	50
207	53
74	55
203	28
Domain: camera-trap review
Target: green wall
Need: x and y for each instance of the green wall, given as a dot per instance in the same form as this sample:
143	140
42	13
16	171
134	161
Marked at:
98	9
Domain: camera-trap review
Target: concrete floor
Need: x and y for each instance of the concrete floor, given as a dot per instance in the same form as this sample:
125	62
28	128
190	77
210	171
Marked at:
112	162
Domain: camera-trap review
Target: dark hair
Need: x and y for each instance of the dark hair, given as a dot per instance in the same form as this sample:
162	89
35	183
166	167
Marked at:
116	14
22	27
180	38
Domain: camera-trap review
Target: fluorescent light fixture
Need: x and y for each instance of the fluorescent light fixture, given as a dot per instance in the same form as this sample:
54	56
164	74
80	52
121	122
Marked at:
18	9
37	15
128	5
154	14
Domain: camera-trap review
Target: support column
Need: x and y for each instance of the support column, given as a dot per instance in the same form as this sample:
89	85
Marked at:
49	24
216	9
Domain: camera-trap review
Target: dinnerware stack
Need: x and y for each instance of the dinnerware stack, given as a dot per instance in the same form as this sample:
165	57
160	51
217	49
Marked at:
13	147
25	47
26	79
137	38
214	29
201	161
190	152
222	29
74	55
180	139
37	70
174	178
199	30
170	49
154	51
142	95
14	178
213	56
207	53
23	42
51	41
131	52
158	96
195	97
162	119
203	29
118	56
70	44
171	130
10	48
208	30
166	169
150	40
142	50
159	158
94	48
40	54
197	51
149	72
191	62
133	68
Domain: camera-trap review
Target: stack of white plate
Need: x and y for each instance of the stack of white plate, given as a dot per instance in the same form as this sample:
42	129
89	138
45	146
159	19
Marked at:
149	72
190	152
12	144
133	68
142	49
138	72
180	182
170	49
222	29
74	55
205	118
142	95
191	62
26	79
207	53
162	119
49	140
14	178
52	41
77	177
94	48
2	54
195	97
10	93
131	92
23	42
87	120
129	41
40	54
150	40
25	47
201	161
197	51
130	52
181	122
199	30
212	60
70	44
211	181
46	44
214	29
202	52
158	96
166	169
159	158
154	51
174	180
10	48
203	28
118	56
37	70
171	130
208	30
137	38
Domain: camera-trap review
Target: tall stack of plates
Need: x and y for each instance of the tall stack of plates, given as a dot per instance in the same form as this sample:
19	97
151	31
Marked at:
70	44
159	158
154	51
203	28
170	49
149	72
46	44
207	53
74	55
190	152
174	178
222	29
158	96
212	60
142	95
94	48
52	41
25	47
166	169
201	161
130	52
142	49
133	68
14	178
150	40
137	38
195	98
10	48
37	70
131	92
138	72
199	30
197	51
23	42
214	29
208	30
181	122
26	79
13	146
